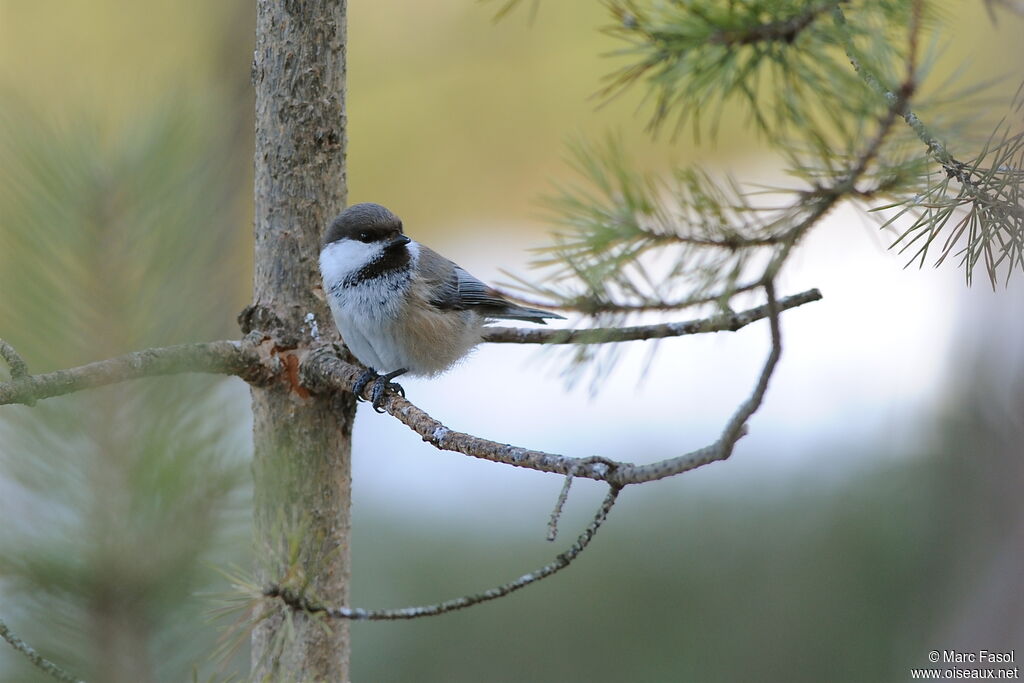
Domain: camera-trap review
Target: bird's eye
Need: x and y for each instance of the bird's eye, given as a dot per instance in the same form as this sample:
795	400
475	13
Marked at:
364	237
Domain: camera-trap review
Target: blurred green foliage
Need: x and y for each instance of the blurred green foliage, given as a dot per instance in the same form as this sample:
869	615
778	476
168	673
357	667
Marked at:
116	238
125	139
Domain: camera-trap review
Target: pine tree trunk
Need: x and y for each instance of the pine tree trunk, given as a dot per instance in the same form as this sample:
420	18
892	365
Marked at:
301	463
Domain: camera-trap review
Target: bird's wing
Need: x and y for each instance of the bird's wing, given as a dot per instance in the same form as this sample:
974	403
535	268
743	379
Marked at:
473	292
452	288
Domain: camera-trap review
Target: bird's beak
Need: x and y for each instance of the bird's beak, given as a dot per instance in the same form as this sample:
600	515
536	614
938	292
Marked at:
398	241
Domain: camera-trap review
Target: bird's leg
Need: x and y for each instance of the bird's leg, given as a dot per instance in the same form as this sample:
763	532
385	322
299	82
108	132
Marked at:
363	380
384	383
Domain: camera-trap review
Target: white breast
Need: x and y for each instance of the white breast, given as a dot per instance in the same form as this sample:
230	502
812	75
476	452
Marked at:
365	312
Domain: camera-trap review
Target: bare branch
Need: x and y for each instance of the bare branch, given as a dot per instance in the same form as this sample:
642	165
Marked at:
556	513
734	430
717	323
37	659
219	357
14	360
589	306
298	601
15	363
323	370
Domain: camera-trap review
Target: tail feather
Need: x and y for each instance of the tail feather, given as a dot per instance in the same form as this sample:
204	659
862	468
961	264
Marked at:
517	312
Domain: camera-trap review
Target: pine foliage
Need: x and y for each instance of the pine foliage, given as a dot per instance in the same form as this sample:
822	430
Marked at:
838	90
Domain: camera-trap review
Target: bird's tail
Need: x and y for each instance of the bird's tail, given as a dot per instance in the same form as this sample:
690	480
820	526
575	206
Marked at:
513	311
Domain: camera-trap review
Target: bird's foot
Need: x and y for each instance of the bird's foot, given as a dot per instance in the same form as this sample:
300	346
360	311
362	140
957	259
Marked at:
368	376
382	385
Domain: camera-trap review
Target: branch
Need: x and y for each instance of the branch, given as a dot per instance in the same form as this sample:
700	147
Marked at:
899	101
37	659
15	363
242	359
589	306
734	430
601	335
14	360
298	601
827	197
322	370
988	185
556	514
784	30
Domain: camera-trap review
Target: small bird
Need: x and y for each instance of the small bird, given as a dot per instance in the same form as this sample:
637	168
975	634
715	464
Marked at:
400	306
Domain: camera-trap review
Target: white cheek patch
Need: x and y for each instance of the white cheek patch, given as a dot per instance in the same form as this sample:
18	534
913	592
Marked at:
341	259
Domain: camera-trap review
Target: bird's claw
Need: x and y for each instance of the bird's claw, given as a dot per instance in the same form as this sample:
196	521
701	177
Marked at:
363	380
381	385
380	389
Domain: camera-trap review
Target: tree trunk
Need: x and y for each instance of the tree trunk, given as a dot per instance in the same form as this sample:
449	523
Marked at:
302	443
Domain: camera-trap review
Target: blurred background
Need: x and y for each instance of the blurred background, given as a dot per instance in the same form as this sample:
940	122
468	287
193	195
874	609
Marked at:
872	514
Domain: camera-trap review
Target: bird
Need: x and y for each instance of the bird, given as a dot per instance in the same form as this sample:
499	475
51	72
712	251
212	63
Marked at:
401	307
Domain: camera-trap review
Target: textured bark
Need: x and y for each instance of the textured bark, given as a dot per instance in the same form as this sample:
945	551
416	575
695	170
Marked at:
302	443
219	357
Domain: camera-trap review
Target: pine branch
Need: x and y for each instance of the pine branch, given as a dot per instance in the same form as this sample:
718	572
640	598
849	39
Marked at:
617	474
38	661
735	428
597	268
717	323
782	30
322	370
16	364
988	186
297	600
773	58
592	307
242	359
556	513
822	199
259	363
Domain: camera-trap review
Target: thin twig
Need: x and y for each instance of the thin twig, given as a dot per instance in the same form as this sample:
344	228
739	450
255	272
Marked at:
592	307
298	601
603	335
37	659
218	357
16	364
734	429
556	514
826	198
899	101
